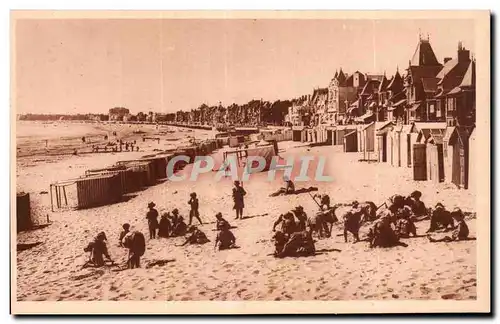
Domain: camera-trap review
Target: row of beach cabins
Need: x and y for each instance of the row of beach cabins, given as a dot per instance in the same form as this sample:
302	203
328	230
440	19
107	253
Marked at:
114	183
430	150
111	184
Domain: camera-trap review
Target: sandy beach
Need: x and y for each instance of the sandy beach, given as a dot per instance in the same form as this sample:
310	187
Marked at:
340	271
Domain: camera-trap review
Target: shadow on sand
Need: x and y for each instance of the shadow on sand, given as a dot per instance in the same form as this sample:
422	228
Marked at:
26	246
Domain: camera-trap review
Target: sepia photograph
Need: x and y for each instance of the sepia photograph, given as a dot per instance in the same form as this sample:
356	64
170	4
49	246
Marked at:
250	162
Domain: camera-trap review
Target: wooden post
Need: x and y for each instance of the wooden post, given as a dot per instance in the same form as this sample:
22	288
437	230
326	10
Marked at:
51	200
65	198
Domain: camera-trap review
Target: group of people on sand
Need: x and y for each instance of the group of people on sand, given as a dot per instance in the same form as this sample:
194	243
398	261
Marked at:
398	219
294	230
118	146
170	225
394	222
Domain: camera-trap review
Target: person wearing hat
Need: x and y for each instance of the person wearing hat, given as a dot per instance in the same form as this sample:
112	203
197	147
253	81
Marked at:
324	201
288	225
301	216
126	230
238	198
461	231
404	225
179	227
193	202
152	217
221	222
196	236
382	234
417	206
136	244
98	250
440	217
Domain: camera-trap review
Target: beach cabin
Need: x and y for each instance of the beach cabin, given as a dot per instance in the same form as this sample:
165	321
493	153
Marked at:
262	149
396	139
368	139
330	135
433	141
411	133
407	139
351	141
384	142
340	132
86	192
159	165
456	155
130	180
23	212
472	174
146	169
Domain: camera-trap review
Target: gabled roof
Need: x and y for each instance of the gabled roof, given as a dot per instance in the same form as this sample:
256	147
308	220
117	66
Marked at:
447	67
341	77
396	83
383	84
424	55
458	133
432	135
428	125
469	79
369	87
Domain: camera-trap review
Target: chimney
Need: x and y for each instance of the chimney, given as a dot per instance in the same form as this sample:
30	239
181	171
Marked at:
463	54
446	59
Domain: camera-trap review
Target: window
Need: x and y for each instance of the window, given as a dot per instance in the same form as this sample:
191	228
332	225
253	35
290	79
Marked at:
431	108
438	111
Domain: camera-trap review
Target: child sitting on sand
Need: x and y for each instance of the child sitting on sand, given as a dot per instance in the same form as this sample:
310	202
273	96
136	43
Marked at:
460	233
225	239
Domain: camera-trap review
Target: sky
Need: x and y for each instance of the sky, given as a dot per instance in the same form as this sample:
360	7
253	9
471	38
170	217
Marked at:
165	65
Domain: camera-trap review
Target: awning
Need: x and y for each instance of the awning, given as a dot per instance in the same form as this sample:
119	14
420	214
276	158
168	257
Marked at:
351	110
449	132
415	106
365	116
350	133
397	104
455	90
385	128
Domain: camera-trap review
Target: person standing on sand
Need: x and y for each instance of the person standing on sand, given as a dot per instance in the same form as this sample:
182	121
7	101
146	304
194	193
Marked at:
152	217
194	203
136	245
126	230
238	198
